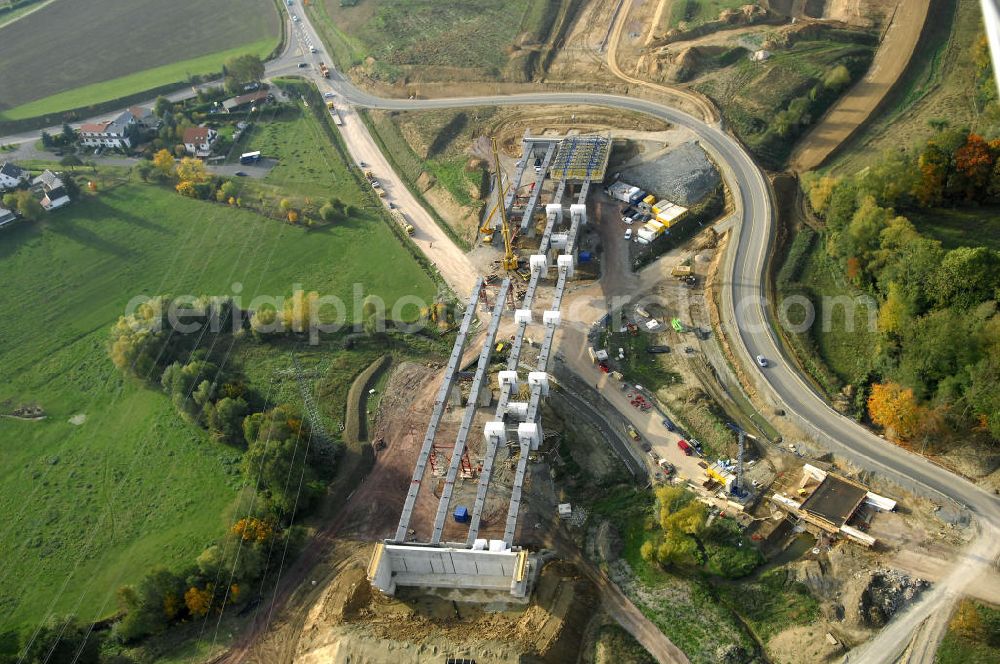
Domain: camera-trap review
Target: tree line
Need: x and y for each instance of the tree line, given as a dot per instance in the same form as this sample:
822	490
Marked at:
685	536
936	372
285	466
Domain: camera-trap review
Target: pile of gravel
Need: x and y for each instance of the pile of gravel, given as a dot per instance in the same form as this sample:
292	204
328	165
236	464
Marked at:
888	591
683	175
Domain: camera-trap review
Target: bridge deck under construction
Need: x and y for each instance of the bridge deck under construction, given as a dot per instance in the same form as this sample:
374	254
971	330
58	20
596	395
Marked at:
471	542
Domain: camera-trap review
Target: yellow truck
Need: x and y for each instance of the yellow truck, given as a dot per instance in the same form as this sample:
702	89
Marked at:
401	220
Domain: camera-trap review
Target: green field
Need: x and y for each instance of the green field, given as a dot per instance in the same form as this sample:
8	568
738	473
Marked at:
614	644
72	54
431	40
152	489
695	12
149	79
670	600
960	227
973	635
752	95
838	342
308	165
938	86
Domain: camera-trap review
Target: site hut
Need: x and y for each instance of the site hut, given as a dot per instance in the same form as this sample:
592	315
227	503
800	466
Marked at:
473	555
827	503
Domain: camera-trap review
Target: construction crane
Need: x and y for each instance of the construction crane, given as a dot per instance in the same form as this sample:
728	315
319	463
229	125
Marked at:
741	436
509	257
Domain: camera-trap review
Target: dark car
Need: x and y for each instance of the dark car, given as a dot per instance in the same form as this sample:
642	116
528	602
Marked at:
668	424
657	349
240	174
303	65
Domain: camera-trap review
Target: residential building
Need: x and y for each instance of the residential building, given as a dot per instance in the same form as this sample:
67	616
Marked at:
198	140
6	217
12	176
247	101
53	191
110	133
144	117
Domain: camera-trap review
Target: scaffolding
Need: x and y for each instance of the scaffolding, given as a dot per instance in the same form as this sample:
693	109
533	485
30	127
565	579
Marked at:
581	158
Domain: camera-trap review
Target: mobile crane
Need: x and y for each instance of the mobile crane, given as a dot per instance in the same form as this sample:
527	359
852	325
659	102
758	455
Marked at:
509	257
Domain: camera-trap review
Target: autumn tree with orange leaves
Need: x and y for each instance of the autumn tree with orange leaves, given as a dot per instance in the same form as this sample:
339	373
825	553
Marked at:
894	408
252	529
198	600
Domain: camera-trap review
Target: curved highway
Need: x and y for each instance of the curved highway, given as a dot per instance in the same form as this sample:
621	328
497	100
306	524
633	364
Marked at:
748	324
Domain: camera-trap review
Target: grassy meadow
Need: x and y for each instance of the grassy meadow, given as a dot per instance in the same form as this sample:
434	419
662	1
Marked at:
308	165
692	13
72	54
430	40
95	502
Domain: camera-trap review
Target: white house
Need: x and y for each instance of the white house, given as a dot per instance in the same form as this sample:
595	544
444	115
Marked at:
12	176
110	133
198	140
6	217
52	189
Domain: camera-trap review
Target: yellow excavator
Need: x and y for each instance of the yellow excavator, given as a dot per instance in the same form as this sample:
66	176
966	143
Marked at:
509	257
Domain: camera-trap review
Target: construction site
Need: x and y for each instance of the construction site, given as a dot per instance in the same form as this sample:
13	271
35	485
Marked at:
471	542
493	462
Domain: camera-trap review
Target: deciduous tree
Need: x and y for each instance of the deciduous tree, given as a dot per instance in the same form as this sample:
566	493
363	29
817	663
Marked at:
164	162
198	600
894	408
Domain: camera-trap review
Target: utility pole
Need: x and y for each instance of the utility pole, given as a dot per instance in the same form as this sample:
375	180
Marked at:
308	403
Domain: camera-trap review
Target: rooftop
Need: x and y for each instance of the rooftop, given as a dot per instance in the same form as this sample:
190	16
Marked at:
95	127
12	170
48	179
196	134
235	102
835	500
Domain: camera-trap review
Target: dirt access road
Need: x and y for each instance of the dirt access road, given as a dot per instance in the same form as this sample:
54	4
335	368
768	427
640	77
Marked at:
704	107
452	264
852	110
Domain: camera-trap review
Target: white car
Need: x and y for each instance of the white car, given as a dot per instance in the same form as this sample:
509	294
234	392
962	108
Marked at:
330	95
762	361
628	233
628	220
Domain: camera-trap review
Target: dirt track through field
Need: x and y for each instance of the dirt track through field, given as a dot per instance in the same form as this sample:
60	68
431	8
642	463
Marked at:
854	109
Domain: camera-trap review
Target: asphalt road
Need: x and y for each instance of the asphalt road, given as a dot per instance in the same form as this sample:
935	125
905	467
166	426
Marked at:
746	318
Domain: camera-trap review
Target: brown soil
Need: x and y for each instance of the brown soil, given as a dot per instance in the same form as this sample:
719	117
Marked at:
853	110
373	512
950	95
349	623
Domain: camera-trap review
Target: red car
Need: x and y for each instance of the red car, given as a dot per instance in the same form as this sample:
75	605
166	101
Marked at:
685	447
